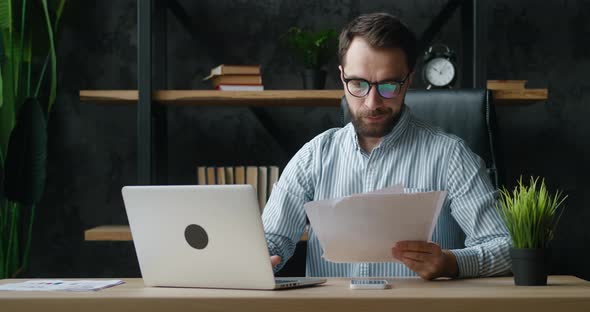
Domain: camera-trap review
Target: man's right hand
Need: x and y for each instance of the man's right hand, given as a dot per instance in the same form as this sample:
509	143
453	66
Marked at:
275	260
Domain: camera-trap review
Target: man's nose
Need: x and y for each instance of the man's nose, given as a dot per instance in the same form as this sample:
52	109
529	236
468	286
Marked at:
373	99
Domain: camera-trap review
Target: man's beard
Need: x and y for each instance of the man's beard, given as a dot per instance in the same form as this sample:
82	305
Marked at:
374	130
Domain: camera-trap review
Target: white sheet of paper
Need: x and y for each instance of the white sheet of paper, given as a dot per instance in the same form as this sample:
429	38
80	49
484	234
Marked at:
364	227
60	285
394	189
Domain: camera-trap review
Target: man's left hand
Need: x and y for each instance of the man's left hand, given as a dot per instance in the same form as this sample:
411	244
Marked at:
427	259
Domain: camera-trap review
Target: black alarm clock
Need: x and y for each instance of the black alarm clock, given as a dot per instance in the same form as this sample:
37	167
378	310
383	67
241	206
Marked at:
439	70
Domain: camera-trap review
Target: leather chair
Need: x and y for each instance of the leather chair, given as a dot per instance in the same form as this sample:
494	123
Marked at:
466	113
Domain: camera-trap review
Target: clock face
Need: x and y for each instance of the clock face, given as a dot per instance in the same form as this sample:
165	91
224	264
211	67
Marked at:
439	72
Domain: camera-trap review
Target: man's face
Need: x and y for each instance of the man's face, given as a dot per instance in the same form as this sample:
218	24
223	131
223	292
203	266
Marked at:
372	115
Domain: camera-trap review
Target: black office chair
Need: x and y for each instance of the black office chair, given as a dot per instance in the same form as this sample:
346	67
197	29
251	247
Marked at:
466	113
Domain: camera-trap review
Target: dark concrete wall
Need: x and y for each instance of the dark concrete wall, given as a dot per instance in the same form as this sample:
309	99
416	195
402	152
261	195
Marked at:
93	146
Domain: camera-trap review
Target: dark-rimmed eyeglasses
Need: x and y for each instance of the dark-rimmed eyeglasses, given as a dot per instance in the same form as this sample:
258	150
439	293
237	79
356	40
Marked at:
387	89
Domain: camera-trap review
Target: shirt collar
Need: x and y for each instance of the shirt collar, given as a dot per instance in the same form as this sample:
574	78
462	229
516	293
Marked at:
390	138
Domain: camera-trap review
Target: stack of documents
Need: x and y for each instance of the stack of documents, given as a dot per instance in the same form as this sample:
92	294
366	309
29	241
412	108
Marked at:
365	227
59	285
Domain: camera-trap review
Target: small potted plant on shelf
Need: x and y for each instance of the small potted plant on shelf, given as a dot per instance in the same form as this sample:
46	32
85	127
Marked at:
313	49
531	216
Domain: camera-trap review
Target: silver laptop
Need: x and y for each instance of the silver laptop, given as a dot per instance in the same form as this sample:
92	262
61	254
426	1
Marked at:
202	236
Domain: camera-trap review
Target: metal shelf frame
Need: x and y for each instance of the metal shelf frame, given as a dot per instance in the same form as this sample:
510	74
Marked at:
151	73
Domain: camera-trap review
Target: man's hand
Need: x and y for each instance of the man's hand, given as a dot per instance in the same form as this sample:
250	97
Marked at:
275	260
428	260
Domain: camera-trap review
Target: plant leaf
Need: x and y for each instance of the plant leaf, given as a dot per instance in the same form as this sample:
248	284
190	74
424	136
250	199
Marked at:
6	15
53	83
530	213
6	120
8	108
27	155
58	12
17	59
1	87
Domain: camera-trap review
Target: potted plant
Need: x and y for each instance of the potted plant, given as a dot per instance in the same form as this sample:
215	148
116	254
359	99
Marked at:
313	50
531	216
28	86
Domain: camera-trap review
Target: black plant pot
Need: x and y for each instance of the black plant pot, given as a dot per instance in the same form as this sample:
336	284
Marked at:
314	78
530	266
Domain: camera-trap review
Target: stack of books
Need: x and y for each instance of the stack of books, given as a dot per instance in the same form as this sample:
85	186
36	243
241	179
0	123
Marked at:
262	178
236	78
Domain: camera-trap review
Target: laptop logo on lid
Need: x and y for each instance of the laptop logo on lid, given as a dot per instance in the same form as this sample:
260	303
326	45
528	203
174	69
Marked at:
196	236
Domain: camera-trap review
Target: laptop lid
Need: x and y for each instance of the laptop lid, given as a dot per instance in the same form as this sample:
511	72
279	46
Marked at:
199	236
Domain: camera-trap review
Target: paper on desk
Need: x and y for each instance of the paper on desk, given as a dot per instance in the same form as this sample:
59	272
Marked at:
59	285
364	227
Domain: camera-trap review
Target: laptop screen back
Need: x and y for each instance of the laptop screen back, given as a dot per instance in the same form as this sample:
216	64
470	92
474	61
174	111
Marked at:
199	236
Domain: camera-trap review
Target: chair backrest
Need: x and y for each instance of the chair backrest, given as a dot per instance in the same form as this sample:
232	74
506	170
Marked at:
466	113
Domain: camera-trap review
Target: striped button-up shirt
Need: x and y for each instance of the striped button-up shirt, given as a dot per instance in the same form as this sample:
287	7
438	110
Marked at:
415	154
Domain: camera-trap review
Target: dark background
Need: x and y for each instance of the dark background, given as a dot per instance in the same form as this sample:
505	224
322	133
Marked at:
93	146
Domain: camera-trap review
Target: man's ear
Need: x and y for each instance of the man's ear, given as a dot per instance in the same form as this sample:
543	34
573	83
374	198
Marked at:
341	73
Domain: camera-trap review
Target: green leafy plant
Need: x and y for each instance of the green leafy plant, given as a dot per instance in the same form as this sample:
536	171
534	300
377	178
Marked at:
28	84
314	49
530	213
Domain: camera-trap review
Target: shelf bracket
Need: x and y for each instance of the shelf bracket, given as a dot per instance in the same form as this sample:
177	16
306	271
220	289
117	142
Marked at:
437	23
273	130
472	25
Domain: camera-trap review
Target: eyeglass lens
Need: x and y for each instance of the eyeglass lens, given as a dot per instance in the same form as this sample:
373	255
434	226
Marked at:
360	88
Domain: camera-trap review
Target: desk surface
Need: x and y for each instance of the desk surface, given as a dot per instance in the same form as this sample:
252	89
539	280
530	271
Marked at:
563	293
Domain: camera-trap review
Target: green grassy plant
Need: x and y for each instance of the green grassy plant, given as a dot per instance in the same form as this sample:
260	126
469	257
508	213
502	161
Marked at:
28	83
530	213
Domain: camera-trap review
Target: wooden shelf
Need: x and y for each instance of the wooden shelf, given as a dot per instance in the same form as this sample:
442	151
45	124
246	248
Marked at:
524	95
514	91
223	98
123	233
269	98
109	233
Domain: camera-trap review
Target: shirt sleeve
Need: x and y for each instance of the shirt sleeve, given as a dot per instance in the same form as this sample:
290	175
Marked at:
473	205
284	218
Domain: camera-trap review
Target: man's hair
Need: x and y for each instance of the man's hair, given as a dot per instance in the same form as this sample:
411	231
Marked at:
380	30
